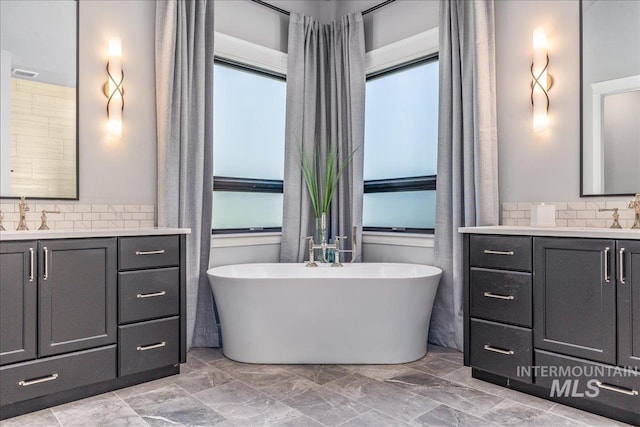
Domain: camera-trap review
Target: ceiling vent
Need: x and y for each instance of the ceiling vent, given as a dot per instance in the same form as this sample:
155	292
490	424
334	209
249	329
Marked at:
24	74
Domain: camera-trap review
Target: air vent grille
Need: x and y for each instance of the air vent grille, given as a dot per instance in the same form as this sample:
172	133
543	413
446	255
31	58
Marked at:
25	74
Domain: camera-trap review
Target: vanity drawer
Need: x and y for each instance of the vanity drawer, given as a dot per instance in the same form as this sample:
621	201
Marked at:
606	384
148	294
501	349
28	380
147	345
148	252
501	252
503	296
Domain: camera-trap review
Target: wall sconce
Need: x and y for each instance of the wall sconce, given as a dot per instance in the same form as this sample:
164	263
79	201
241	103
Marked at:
542	81
113	89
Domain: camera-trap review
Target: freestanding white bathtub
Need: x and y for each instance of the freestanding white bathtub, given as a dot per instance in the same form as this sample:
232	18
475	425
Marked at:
370	313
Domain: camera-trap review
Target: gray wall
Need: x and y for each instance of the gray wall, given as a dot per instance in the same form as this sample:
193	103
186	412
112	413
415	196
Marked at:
124	171
244	254
538	167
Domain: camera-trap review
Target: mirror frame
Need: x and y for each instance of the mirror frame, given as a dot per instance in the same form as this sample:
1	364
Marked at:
582	194
77	197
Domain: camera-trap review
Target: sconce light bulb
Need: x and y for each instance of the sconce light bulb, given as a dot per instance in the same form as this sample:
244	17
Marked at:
113	88
540	122
539	87
115	47
539	38
114	127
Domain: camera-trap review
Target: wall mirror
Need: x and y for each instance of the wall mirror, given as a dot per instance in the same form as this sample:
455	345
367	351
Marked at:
610	95
38	96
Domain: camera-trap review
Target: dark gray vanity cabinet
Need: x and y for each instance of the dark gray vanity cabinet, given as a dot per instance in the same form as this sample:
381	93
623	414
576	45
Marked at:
557	317
81	316
18	290
499	292
628	285
575	297
77	294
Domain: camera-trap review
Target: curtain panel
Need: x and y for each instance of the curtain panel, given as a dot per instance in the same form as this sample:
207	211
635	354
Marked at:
325	106
467	191
184	106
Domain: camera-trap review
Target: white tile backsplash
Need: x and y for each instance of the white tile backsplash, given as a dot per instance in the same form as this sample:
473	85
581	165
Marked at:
80	215
572	214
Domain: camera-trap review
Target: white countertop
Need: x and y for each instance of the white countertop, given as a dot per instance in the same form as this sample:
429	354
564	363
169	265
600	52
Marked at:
606	233
77	234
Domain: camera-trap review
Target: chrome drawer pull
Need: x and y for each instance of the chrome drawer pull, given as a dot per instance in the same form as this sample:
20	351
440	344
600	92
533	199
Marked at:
617	389
498	350
607	279
490	252
623	280
45	275
151	347
159	252
38	380
154	294
31	265
496	296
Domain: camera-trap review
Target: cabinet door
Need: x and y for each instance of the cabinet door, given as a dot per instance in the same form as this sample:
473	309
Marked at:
77	294
575	297
17	302
629	303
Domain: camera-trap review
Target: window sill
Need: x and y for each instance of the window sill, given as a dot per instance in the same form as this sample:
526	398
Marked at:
398	239
244	239
368	238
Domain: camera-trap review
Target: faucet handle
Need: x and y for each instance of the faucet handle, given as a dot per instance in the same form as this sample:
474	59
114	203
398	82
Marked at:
43	218
616	217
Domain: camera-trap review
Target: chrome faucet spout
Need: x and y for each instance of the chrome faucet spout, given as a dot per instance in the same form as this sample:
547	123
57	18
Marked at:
24	208
635	204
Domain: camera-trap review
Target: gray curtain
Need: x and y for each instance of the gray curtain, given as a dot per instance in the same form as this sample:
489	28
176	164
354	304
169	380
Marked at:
184	105
467	191
325	105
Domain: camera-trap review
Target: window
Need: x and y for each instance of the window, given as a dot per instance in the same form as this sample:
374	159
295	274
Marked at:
400	148
248	150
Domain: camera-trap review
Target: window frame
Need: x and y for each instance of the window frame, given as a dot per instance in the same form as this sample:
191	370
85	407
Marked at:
401	184
247	185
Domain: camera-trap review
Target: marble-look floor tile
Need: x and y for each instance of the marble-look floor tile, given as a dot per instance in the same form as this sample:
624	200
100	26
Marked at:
463	376
256	376
206	354
526	399
326	407
430	391
207	376
458	396
302	421
319	374
380	372
450	354
386	398
445	416
243	405
288	388
374	418
435	365
509	413
44	418
585	417
138	389
102	410
171	405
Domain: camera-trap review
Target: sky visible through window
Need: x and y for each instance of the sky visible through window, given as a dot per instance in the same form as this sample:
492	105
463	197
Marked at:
401	141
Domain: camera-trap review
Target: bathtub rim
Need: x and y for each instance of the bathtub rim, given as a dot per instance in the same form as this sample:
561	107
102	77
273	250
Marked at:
227	271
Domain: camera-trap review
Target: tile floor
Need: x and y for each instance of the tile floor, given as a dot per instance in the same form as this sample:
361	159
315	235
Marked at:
214	391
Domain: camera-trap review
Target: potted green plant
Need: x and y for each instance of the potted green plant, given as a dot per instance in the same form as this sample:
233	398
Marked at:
321	179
